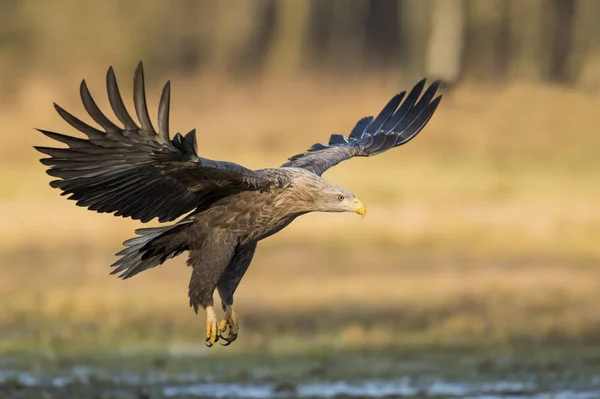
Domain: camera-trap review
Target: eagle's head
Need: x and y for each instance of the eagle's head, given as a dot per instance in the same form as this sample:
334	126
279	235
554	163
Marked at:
337	199
315	194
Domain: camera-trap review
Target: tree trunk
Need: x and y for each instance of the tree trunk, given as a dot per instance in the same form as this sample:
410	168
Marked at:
290	32
446	41
583	66
530	39
414	29
486	39
346	41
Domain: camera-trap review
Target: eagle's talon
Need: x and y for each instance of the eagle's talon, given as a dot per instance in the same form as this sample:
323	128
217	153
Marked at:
210	341
228	340
212	331
230	321
223	325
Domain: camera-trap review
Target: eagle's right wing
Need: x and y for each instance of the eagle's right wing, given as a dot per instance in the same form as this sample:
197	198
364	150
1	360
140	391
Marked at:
397	123
134	171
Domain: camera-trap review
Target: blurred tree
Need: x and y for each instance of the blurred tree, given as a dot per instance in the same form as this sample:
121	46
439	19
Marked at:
68	35
414	27
486	39
446	40
382	35
15	46
175	38
556	40
559	29
346	39
530	41
583	67
289	36
241	34
319	23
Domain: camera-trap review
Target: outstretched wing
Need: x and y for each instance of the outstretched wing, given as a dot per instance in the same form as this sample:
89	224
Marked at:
396	124
136	171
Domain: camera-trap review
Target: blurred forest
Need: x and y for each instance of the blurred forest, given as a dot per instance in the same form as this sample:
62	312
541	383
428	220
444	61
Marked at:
546	40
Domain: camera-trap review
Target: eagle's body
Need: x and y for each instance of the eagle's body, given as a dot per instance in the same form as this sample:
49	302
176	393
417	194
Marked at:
254	215
142	173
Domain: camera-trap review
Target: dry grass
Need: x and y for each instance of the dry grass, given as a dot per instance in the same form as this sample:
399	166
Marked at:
485	227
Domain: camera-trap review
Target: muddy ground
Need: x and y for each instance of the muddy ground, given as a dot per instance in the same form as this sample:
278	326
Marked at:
532	371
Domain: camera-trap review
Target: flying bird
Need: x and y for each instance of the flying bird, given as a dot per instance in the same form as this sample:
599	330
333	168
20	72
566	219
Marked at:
133	170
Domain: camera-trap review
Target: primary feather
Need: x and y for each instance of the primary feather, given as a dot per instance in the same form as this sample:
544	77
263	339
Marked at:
134	171
397	123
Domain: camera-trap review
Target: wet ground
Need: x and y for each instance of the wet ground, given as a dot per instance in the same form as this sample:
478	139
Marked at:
540	372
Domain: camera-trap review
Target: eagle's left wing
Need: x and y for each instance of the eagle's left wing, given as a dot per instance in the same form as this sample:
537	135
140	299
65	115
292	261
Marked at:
135	171
396	124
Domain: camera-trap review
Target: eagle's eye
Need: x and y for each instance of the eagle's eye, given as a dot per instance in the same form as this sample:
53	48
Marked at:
340	197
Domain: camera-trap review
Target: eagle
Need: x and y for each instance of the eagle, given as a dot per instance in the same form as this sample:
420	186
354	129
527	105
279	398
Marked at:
133	170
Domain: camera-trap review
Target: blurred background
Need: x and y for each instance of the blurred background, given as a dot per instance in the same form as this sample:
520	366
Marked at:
484	229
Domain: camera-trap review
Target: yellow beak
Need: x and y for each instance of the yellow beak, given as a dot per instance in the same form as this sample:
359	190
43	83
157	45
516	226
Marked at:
359	207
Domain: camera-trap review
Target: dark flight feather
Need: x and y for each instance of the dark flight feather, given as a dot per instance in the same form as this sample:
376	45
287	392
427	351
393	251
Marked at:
163	114
137	172
361	127
93	110
116	101
402	114
139	99
385	114
397	123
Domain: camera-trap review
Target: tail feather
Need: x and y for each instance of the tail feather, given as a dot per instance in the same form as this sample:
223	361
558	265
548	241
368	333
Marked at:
152	247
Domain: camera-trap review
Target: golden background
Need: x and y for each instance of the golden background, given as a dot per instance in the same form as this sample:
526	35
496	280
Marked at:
484	228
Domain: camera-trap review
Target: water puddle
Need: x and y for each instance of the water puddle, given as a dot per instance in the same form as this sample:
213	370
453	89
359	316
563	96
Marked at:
189	385
295	378
375	389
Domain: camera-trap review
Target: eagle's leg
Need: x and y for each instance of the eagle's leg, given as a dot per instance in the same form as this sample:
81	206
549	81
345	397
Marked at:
209	258
230	321
227	286
212	332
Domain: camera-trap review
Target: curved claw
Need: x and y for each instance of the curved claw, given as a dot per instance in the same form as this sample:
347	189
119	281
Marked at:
228	340
208	342
230	322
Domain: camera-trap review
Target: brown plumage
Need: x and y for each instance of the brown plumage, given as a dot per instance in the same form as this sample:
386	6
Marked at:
138	172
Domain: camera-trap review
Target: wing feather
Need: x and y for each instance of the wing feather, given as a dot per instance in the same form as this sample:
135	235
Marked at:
163	114
83	127
385	114
139	99
409	104
421	106
361	127
398	122
116	101
93	110
134	171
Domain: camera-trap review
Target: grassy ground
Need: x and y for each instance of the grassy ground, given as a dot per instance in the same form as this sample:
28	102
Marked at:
484	229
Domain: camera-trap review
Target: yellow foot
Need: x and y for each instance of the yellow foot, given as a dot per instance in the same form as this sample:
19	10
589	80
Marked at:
231	322
212	332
